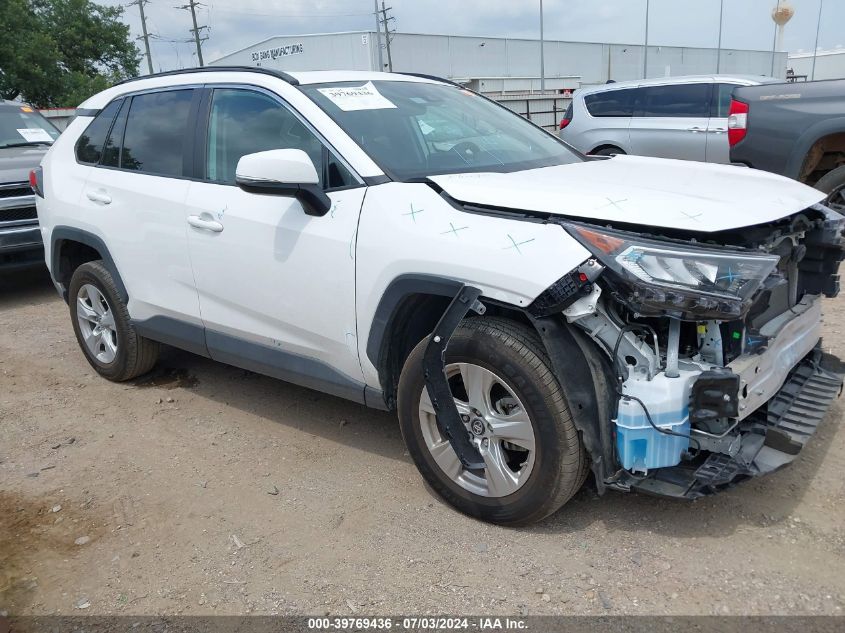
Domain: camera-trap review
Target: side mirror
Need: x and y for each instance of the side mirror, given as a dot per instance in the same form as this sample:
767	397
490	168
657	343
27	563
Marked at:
283	172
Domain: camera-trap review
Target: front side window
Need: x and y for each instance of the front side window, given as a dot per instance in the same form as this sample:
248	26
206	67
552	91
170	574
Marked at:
414	129
680	101
89	147
611	103
22	125
244	122
157	133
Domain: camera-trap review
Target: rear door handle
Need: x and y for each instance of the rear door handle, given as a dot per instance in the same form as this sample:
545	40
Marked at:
100	197
718	130
199	222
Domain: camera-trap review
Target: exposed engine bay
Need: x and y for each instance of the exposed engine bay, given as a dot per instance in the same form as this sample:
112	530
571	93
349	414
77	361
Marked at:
714	343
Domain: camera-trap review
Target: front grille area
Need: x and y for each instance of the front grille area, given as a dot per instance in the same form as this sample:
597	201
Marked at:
15	190
19	214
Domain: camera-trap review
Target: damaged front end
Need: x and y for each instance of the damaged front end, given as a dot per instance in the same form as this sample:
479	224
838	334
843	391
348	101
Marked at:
713	341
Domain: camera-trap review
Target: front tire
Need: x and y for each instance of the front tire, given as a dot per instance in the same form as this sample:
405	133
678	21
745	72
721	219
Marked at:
102	326
833	184
515	412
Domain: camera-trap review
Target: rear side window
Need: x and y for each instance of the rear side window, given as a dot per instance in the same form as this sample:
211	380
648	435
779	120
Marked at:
611	103
681	100
89	147
157	133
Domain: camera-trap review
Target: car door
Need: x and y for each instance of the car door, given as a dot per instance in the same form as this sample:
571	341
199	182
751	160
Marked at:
276	286
718	148
670	121
135	198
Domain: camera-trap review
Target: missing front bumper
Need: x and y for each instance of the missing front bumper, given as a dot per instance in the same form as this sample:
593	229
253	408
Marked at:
771	438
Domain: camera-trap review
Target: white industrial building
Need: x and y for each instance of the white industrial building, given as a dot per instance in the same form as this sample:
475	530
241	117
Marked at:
829	64
486	62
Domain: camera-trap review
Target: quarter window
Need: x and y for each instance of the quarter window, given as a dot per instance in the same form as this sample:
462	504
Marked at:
244	122
111	150
680	100
89	147
157	133
611	103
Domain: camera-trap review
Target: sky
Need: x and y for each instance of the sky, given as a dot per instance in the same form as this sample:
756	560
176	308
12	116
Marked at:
235	24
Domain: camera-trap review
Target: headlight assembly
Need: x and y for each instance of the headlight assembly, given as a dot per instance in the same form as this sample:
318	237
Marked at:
656	278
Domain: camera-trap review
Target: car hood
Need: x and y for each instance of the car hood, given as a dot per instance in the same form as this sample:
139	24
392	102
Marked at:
16	162
673	194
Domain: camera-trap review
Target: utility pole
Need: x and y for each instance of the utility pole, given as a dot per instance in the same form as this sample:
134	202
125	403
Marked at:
145	36
387	38
816	45
542	53
645	61
192	5
378	36
719	47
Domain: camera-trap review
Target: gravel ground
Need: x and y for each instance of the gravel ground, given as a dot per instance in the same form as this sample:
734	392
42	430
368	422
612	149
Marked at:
204	489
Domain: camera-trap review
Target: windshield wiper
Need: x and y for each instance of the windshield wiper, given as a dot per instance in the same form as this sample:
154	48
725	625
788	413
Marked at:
26	144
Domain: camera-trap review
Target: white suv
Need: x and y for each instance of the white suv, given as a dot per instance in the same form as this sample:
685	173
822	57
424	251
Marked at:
402	242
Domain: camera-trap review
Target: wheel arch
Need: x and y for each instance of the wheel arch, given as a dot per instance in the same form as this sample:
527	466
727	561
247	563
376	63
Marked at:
604	146
407	312
809	148
72	247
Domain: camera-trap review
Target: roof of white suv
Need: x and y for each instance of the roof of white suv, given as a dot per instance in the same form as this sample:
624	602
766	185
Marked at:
186	76
682	79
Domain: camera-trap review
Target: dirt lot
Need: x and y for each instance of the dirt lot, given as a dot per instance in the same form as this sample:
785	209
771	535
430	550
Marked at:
206	489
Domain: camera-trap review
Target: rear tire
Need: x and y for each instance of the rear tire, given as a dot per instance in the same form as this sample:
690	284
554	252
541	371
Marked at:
514	360
102	326
833	184
608	151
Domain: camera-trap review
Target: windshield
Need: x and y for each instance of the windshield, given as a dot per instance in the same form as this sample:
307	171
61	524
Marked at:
22	125
413	130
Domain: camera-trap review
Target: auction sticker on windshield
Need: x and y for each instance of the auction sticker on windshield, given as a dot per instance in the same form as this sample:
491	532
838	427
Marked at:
34	135
365	97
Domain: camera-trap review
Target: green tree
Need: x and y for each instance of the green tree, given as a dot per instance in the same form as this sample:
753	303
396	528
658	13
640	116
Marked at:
59	52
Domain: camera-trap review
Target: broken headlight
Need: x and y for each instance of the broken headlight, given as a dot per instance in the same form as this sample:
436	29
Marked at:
654	277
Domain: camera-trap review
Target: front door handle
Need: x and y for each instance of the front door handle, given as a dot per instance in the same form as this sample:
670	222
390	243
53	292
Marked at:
100	197
198	222
696	130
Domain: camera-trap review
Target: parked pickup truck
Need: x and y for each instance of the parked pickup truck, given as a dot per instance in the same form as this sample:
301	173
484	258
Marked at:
796	130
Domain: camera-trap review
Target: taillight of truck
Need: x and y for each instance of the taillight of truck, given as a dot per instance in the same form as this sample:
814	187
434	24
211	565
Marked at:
737	121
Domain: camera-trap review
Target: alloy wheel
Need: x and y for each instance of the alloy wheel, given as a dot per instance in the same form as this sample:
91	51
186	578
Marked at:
96	323
497	424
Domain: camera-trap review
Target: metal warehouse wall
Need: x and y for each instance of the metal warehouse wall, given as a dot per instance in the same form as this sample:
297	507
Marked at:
335	51
829	64
462	57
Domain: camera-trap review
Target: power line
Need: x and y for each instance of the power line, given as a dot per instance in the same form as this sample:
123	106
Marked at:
145	36
384	20
192	6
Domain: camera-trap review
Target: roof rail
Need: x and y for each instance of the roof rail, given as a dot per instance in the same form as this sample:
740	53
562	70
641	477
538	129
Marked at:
293	81
433	78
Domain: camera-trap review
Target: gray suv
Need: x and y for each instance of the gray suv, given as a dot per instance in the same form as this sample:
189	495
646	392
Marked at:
25	136
670	117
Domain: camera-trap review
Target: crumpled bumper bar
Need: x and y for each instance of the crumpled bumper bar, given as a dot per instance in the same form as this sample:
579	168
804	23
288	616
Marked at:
772	437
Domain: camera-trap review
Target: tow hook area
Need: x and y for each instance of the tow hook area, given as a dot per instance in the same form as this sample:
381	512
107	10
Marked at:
434	367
